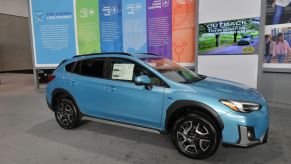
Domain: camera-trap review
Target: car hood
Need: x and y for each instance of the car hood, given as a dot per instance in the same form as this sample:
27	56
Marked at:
223	89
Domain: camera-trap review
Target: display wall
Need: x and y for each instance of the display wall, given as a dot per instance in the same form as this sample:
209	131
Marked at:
235	66
64	28
15	49
277	75
15	7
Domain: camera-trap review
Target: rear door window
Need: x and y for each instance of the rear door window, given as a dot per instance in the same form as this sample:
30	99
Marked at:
91	68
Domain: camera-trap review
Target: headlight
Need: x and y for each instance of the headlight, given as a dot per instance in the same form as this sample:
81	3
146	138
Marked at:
241	106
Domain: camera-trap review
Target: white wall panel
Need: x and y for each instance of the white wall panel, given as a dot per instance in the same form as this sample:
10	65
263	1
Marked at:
239	68
217	10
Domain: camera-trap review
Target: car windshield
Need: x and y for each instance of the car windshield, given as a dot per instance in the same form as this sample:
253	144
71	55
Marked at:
172	70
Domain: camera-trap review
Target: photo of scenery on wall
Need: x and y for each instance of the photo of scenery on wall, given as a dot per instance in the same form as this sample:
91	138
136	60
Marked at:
232	37
278	32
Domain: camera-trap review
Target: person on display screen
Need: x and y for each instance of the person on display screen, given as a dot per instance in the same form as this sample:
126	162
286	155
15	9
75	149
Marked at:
279	6
269	48
281	48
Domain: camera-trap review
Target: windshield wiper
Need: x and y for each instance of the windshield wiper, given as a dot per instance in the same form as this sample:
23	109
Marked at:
190	81
200	77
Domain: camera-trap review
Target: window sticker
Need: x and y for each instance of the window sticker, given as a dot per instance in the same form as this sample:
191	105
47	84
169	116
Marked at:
122	72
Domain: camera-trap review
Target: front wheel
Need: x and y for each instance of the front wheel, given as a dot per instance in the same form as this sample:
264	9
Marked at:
195	136
67	113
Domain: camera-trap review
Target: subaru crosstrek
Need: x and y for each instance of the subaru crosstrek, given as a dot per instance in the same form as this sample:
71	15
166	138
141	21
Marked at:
149	91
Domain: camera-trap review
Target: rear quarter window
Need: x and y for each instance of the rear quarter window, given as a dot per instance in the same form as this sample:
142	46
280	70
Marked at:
69	67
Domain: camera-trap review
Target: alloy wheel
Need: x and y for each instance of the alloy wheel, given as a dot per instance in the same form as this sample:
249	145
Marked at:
66	113
194	137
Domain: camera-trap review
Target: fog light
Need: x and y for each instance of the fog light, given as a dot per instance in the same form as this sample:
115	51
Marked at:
251	134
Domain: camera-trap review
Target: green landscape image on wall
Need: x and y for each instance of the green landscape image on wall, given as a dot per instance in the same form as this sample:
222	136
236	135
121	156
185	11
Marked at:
233	37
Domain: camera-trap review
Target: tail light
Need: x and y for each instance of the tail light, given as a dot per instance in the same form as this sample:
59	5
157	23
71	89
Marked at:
51	78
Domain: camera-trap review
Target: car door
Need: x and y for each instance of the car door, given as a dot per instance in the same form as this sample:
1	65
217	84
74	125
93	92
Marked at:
132	103
89	83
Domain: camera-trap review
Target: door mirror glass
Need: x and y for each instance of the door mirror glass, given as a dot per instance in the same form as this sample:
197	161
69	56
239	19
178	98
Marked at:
142	80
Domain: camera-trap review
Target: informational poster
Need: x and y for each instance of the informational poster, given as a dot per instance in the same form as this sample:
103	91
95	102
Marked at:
53	31
231	37
277	52
88	31
183	30
134	26
111	25
64	28
123	72
159	27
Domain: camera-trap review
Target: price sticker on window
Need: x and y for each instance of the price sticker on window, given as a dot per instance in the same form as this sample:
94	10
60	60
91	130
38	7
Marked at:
122	72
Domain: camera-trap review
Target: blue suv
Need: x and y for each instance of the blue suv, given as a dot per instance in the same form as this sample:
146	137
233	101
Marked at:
149	91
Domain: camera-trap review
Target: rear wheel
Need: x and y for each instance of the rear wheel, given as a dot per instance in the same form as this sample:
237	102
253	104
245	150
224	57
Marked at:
195	137
66	112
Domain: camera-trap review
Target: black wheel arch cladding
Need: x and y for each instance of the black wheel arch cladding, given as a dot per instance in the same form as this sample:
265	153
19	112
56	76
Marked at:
193	104
58	91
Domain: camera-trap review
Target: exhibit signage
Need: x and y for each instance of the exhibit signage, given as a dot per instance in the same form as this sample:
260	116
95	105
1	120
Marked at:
159	21
53	31
183	30
88	31
278	33
111	25
134	26
233	37
239	26
65	28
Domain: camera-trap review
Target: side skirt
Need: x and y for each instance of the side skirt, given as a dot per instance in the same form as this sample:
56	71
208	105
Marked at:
125	125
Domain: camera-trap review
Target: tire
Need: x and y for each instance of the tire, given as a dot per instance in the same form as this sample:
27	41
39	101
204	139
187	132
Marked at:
66	112
195	137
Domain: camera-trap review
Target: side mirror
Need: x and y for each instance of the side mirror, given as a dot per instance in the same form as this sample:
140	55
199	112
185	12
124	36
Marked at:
142	80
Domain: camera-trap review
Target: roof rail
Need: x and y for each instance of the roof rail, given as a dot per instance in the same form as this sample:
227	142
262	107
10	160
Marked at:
148	53
104	53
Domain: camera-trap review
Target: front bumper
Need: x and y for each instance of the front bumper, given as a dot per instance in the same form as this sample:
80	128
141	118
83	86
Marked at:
247	138
246	129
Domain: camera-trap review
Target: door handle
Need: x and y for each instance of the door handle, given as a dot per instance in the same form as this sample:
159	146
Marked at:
73	83
112	89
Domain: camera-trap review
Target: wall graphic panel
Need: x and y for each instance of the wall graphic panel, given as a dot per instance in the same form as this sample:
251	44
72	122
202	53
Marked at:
111	25
231	37
64	28
277	52
88	31
183	30
134	26
53	31
159	27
